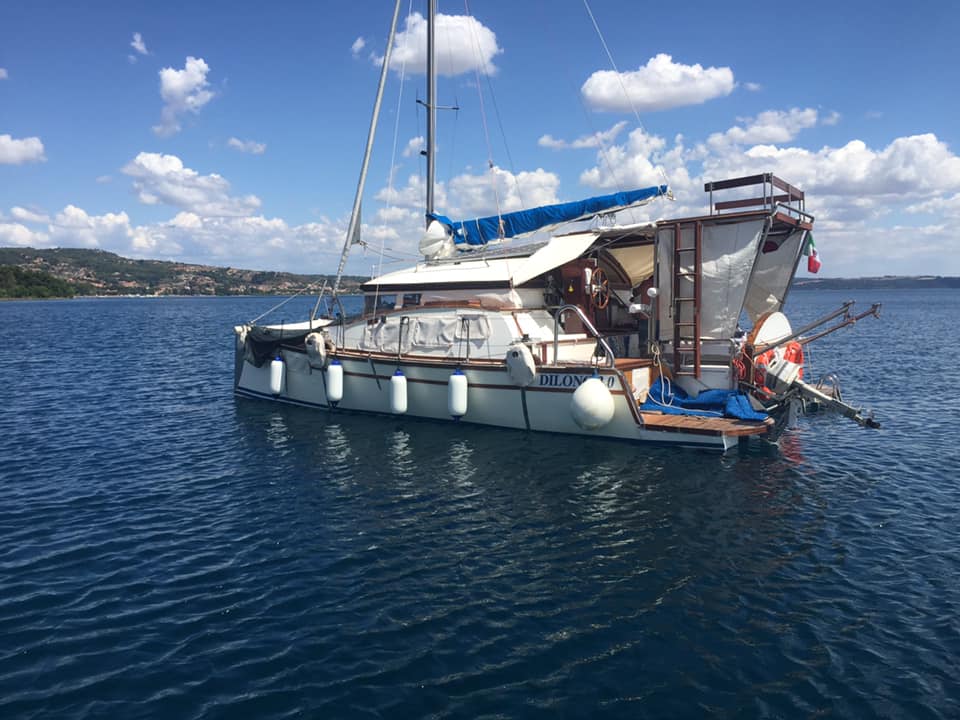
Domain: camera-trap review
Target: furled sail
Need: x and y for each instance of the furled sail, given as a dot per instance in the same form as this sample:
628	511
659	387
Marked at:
468	234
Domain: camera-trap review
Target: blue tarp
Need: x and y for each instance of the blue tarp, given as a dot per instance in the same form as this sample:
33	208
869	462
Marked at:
717	403
480	231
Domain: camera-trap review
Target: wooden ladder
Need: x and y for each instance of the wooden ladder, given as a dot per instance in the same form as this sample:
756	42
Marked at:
687	265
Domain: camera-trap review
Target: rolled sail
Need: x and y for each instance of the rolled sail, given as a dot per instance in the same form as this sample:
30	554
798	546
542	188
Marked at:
468	234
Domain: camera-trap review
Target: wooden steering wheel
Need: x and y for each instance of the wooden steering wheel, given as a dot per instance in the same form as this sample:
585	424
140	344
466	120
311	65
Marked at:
599	289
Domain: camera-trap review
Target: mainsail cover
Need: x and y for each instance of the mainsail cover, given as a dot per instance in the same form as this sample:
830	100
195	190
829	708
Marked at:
468	234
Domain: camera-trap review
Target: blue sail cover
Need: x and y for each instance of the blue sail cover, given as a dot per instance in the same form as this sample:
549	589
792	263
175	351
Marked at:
480	231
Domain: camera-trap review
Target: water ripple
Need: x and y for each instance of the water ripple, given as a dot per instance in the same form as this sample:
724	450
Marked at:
167	551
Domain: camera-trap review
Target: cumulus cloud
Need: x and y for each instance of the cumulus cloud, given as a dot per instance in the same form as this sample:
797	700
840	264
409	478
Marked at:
163	179
17	152
659	85
504	191
182	91
254	241
74	227
414	146
247	146
20	235
596	140
358	45
463	45
630	164
772	126
908	167
25	215
3	73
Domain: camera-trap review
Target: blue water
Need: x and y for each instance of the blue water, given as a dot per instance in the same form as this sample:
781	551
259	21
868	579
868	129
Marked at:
168	551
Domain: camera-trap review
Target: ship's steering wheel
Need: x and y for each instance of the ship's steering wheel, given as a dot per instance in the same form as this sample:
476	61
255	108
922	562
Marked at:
599	289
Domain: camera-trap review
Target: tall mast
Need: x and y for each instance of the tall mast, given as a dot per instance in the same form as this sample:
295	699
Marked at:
353	230
431	103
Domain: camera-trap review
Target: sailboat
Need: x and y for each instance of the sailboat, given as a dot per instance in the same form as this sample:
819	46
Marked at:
630	332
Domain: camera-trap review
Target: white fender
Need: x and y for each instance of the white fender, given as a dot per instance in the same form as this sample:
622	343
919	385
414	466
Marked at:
398	393
334	382
316	350
457	394
276	374
592	405
521	366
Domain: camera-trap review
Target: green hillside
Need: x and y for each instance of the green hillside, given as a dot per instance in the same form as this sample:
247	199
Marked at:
97	272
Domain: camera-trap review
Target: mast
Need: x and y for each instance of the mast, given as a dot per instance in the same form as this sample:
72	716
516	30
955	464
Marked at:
353	230
431	103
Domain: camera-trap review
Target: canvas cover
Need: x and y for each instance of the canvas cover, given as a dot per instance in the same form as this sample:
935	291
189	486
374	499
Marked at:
772	274
468	234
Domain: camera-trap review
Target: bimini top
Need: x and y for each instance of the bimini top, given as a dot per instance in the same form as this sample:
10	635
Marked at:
468	234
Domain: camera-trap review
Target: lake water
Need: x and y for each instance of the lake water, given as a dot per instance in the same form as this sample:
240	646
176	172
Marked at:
168	551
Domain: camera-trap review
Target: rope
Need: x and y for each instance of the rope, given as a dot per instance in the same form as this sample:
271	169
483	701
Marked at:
664	380
281	304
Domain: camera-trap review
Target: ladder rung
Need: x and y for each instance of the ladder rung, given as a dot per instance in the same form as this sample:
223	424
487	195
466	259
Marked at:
685	299
691	373
680	250
686	274
685	324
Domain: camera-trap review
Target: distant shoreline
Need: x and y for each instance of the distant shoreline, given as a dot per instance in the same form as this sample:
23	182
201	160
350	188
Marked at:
887	282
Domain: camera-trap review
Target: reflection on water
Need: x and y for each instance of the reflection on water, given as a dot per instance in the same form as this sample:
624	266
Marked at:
170	551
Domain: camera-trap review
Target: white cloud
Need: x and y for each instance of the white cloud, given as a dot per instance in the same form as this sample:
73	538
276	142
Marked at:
908	168
753	87
473	195
17	152
832	118
414	146
632	164
247	146
463	45
182	91
3	74
138	44
358	45
74	227
772	126
21	236
598	139
164	179
24	215
659	85
254	242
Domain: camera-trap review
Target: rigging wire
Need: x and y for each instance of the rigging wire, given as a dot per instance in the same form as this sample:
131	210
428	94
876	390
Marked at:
496	111
483	117
393	157
623	87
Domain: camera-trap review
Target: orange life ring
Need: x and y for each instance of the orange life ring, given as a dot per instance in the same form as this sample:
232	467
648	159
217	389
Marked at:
793	352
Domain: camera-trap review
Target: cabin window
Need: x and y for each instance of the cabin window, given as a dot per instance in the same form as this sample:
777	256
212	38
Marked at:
411	299
376	303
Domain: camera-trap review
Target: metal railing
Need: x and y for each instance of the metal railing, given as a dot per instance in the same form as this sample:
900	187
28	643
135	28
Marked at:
587	324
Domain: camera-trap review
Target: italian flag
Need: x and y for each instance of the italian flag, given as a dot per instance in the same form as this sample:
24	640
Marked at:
813	257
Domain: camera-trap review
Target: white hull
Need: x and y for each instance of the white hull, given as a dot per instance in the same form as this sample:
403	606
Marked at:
493	399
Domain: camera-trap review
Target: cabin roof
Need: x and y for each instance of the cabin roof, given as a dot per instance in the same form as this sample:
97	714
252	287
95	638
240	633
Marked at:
509	267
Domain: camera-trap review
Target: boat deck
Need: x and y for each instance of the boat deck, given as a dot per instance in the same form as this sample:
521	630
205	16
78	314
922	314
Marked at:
699	425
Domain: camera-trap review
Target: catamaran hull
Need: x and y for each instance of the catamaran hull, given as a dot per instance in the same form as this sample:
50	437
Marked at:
492	399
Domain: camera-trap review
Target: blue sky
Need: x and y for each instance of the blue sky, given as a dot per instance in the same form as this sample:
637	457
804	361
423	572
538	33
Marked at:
231	133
